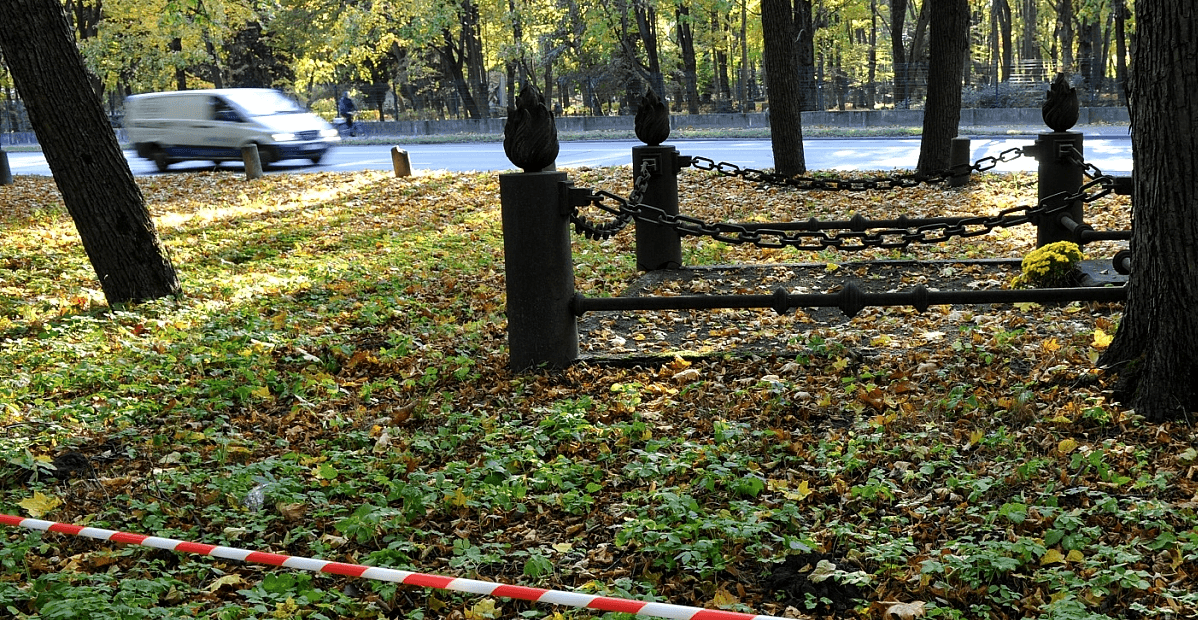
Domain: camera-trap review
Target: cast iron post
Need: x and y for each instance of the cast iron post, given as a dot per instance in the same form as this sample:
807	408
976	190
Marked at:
542	331
1058	154
657	246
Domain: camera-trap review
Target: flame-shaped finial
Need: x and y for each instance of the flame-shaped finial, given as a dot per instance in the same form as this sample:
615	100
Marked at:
652	122
530	135
1062	108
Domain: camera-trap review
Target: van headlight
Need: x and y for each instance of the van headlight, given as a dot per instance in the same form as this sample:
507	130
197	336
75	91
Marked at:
328	133
282	137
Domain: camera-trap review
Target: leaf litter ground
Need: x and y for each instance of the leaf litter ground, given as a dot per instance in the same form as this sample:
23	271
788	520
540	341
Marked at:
334	384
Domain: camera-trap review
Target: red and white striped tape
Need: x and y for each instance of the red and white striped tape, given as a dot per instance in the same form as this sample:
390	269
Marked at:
472	586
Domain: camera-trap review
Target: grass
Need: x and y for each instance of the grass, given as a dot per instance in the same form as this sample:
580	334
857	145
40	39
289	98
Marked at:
334	384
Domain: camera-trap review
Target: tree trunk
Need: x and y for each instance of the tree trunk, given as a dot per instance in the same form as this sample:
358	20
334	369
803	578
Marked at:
804	26
942	113
781	77
79	145
898	17
1121	15
1002	10
1029	43
690	68
1155	351
1065	35
871	88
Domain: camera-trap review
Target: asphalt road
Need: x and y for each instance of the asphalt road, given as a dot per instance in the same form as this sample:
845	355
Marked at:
1111	154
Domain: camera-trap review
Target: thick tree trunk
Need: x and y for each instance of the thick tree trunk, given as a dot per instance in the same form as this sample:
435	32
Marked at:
781	76
1155	351
91	172
942	113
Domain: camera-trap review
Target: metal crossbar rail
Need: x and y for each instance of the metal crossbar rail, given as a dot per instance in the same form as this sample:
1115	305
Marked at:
850	299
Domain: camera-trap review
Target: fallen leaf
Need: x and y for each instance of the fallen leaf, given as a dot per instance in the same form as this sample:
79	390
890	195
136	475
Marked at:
39	505
229	580
1101	339
724	599
906	611
1052	556
292	512
822	571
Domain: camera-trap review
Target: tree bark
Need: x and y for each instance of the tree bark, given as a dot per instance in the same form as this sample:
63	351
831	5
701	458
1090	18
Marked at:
690	66
804	26
946	67
898	17
781	77
1155	352
92	174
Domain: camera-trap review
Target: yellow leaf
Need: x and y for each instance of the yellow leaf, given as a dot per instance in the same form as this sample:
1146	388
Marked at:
881	341
261	392
804	490
840	364
1101	340
1025	306
482	610
1066	446
1075	556
975	437
831	267
38	505
562	547
1052	556
231	579
1050	345
724	599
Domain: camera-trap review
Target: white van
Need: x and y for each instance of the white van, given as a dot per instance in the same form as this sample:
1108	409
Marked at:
215	124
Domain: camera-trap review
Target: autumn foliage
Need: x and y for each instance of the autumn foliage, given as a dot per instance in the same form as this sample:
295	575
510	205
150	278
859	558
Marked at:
334	384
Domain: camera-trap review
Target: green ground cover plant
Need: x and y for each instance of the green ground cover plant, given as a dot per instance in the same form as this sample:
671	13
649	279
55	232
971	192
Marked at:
333	384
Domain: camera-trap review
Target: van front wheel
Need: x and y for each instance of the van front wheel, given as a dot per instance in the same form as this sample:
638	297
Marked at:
160	160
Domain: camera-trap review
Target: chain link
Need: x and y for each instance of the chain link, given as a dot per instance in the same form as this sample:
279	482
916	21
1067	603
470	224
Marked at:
851	241
902	181
631	209
607	230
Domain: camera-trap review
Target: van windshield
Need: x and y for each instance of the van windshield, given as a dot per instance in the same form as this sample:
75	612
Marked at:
263	102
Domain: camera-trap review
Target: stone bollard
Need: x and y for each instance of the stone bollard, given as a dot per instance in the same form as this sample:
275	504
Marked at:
542	329
657	246
1059	153
401	162
5	171
253	163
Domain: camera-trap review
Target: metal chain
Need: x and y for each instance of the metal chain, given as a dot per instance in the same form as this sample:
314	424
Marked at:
607	230
851	241
1090	170
885	183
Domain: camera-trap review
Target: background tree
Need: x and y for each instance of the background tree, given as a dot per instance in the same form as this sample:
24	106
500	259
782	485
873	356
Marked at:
1155	351
89	168
782	79
942	112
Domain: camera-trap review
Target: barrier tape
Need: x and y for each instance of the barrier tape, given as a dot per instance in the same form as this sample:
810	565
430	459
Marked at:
471	586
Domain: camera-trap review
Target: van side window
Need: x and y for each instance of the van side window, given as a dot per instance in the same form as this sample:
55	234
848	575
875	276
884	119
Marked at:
222	111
